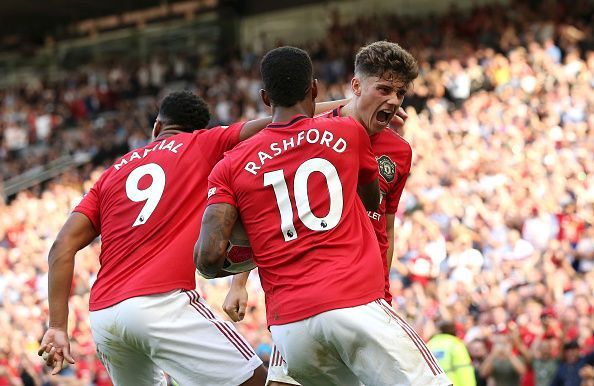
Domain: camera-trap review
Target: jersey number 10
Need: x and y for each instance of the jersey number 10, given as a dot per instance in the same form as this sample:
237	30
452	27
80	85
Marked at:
276	179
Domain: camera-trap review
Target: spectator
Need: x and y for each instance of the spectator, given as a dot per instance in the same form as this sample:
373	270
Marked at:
452	355
502	364
568	373
478	353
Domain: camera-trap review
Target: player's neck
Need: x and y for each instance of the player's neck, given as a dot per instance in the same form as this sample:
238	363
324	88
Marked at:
167	132
284	114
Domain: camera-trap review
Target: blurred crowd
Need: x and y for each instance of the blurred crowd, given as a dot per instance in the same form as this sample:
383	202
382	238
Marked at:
495	231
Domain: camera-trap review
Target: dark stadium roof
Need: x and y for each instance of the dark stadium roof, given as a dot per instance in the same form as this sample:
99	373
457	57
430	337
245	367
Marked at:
34	17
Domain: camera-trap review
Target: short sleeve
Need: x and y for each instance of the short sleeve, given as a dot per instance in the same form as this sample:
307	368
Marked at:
220	190
218	140
89	205
393	196
367	163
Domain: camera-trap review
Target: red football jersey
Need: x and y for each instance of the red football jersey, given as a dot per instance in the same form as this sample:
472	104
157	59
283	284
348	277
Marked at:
295	186
148	208
394	158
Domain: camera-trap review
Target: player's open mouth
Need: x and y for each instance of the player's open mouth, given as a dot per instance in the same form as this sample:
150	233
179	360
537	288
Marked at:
384	116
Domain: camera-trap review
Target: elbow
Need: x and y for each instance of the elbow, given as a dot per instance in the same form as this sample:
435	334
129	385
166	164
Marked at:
59	251
206	267
208	263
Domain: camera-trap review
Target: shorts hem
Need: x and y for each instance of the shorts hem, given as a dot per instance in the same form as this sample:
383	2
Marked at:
249	369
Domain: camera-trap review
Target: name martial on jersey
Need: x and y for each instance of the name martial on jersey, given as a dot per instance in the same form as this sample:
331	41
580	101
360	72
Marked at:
312	136
163	145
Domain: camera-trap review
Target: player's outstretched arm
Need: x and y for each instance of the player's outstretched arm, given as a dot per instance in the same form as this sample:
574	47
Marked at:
236	300
209	251
253	127
77	233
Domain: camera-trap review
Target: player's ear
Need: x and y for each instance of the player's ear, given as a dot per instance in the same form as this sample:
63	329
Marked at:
314	89
356	85
157	128
264	96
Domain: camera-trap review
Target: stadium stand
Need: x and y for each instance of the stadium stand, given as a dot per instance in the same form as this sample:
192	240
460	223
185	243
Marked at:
496	228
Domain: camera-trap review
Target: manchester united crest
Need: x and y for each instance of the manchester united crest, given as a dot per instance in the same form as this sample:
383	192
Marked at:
387	168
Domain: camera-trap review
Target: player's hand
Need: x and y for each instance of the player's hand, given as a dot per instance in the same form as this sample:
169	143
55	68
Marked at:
235	303
55	347
399	119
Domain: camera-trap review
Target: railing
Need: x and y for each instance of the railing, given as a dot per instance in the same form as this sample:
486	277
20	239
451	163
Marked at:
43	173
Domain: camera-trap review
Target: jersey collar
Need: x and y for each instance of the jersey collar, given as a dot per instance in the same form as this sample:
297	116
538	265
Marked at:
293	120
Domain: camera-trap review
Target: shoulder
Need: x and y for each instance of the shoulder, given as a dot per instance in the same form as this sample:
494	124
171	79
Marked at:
396	140
403	143
103	177
392	145
244	147
219	130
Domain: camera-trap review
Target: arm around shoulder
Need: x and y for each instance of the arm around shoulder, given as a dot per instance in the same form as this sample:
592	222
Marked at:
253	127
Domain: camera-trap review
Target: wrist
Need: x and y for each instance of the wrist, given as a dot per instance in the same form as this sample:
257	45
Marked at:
58	325
240	280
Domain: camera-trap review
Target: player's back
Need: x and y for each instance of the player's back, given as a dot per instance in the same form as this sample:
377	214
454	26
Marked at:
147	207
296	188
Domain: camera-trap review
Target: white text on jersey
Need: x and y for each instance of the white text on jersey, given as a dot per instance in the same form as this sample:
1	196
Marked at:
311	136
171	146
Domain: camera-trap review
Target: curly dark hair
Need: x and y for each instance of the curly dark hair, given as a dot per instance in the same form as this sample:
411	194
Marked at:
184	109
386	60
287	75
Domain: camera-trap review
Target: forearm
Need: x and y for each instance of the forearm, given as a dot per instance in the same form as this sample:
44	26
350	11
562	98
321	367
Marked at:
240	280
253	127
487	366
322	107
209	252
517	364
390	235
61	269
76	233
523	350
390	254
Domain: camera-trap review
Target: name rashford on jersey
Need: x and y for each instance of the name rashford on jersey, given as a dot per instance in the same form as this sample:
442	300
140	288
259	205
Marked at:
295	186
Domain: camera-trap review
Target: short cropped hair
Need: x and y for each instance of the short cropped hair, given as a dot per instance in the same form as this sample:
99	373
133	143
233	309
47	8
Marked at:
447	327
184	109
386	60
287	73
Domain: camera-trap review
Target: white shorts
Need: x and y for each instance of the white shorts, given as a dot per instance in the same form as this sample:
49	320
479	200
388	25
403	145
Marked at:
176	332
368	344
277	369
